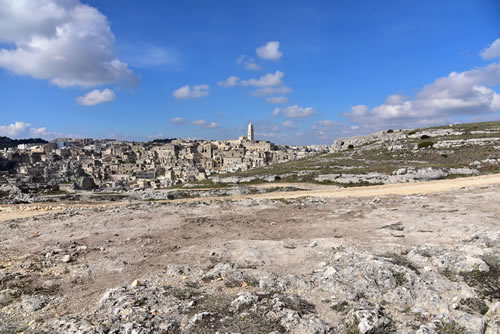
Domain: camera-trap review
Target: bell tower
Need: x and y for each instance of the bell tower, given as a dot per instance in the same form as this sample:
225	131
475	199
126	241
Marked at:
250	132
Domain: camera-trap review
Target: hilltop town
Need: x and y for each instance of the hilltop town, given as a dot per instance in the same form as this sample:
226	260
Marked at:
67	164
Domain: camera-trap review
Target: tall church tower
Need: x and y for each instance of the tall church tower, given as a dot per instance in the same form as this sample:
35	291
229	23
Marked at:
250	132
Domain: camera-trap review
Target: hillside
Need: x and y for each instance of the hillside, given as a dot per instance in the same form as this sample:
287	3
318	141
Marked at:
392	156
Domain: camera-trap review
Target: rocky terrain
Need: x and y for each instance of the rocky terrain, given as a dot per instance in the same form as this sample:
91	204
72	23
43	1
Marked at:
422	263
293	248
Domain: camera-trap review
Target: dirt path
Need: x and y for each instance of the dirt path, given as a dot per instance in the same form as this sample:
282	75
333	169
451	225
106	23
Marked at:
8	212
426	187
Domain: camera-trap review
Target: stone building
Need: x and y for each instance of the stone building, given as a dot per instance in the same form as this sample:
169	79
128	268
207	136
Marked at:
250	132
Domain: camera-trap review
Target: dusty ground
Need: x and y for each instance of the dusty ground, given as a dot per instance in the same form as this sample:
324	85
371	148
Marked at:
113	244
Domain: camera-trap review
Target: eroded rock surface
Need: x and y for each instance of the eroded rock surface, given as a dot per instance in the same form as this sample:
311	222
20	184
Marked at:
402	264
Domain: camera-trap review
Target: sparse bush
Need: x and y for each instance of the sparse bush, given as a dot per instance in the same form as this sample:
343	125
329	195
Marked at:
450	328
399	277
340	307
352	327
412	132
390	131
426	144
424	137
474	305
486	283
350	146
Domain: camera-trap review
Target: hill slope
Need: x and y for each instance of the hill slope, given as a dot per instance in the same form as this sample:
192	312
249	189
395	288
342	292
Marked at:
391	156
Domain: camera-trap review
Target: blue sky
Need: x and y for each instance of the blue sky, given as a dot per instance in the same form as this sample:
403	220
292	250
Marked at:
303	72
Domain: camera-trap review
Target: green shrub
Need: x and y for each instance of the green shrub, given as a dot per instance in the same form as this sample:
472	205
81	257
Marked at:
426	144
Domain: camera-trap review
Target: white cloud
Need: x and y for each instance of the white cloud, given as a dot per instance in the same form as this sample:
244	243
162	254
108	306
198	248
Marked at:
212	125
199	122
177	120
95	97
459	94
492	51
294	111
253	66
267	80
277	100
229	82
22	129
205	124
270	51
14	129
66	42
265	91
40	132
188	92
288	124
249	63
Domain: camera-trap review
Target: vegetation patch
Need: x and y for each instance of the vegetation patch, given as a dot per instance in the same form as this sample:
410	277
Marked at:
474	305
400	261
352	326
343	306
425	144
486	283
450	328
399	277
221	319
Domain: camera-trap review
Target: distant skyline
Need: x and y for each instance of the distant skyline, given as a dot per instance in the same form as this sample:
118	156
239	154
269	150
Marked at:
302	72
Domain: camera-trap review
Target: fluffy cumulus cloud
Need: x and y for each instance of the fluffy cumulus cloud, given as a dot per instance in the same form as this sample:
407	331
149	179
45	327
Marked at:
270	51
95	97
277	100
288	124
294	111
64	41
466	93
268	84
267	80
493	51
22	129
188	92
